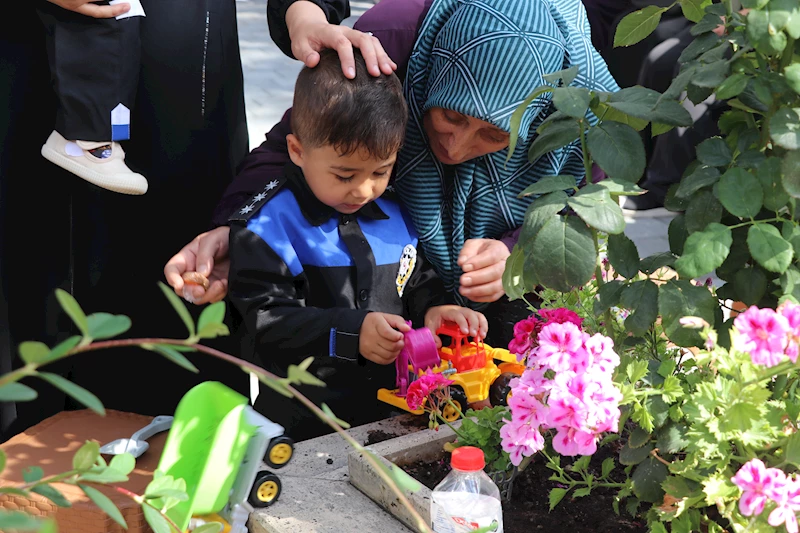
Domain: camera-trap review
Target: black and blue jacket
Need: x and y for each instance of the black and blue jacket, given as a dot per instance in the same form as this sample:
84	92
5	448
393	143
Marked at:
304	276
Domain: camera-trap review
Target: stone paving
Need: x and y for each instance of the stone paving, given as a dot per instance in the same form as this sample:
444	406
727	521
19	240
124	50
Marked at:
269	80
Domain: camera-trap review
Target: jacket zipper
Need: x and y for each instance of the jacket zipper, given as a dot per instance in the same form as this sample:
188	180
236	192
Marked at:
205	56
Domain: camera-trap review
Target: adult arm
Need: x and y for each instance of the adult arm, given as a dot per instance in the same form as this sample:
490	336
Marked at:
332	11
86	7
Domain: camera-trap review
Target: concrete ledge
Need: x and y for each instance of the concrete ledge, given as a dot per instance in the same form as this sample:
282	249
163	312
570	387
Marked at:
424	445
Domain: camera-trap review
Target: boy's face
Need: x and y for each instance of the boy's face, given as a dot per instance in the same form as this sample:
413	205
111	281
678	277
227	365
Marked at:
343	182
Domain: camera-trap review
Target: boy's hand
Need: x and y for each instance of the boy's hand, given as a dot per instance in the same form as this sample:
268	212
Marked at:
381	337
471	322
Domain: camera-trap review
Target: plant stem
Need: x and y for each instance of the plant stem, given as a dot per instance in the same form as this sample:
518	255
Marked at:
782	368
587	160
749	222
47	480
250	367
141	501
18	374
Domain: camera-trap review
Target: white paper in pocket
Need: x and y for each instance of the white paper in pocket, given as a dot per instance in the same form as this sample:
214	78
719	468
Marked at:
136	8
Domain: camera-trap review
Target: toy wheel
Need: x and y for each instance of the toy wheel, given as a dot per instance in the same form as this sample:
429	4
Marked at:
279	452
500	389
265	490
459	399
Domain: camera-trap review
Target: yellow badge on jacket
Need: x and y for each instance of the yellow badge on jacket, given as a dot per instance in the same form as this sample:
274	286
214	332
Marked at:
407	263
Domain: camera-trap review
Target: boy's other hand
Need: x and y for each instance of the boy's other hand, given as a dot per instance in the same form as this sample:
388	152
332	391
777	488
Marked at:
381	337
207	254
471	322
86	7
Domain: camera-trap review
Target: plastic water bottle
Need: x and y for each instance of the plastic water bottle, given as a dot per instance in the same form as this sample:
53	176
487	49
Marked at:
467	499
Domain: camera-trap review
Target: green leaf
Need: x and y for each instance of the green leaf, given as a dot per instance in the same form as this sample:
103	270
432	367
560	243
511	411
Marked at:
608	296
750	284
708	23
652	263
572	101
556	495
608	466
563	254
33	352
791	173
784	128
669	114
516	118
123	463
595	206
768	247
623	255
303	377
694	9
86	456
648	105
647	479
16	520
618	150
539	213
212	315
792	74
740	193
677	234
75	391
275	385
106	476
704	251
567	75
52	494
633	456
580	493
638	25
156	520
638	438
700	45
679	83
615	115
61	349
32	474
620	188
739	417
674	203
711	76
701	177
557	135
549	184
672	438
513	284
73	310
714	152
175	356
105	325
641	297
16	392
679	298
769	173
329	413
703	209
792	449
732	87
179	307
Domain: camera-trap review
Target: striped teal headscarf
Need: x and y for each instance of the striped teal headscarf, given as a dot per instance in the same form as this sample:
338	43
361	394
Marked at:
482	58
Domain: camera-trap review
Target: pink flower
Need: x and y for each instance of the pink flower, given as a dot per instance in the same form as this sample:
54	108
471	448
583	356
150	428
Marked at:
786	493
757	483
573	442
762	334
526	326
791	312
520	440
520	346
601	352
423	386
561	346
560	316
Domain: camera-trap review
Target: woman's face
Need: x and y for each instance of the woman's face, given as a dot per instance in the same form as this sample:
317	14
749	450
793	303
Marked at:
456	138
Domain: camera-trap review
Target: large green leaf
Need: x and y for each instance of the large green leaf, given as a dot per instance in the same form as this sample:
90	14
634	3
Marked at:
19	521
179	307
792	73
700	45
679	298
563	254
516	118
608	296
711	76
618	150
784	128
769	173
566	75
549	184
52	494
703	209
641	297
740	192
86	456
647	479
593	203
513	284
647	104
174	355
652	263
714	152
75	391
791	233
557	135
623	255
704	251
633	455
620	187
105	325
539	213
750	284
732	87
694	9
16	392
638	25
33	352
701	177
677	234
70	306
572	101
767	247
791	173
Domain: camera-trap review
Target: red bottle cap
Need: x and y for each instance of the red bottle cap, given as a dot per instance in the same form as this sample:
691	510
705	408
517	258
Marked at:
468	459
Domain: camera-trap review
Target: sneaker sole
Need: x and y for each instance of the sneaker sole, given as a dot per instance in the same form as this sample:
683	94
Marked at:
123	186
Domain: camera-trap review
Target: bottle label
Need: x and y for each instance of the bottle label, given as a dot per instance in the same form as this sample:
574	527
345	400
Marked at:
482	511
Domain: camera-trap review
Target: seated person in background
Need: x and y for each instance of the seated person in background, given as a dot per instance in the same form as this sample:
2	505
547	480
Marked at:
324	263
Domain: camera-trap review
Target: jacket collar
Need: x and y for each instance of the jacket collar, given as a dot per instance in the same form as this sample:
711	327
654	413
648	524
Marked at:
315	211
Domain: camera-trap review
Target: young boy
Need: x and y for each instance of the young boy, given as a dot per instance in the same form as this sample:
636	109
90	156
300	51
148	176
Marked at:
94	67
324	263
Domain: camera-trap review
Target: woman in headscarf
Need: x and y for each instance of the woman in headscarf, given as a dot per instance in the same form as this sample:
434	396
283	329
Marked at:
467	65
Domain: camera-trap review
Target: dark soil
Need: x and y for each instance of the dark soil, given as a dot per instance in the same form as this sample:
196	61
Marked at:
528	509
375	436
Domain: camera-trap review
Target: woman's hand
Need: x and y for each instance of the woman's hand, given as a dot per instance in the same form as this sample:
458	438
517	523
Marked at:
483	262
311	33
86	7
207	254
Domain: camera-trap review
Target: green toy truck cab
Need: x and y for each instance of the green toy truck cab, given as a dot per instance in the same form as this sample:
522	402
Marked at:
216	444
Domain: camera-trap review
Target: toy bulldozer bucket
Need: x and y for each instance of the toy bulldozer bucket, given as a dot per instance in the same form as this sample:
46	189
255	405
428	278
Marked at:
205	447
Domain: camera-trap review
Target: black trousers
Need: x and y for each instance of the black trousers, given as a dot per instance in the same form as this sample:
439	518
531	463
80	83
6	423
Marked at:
94	67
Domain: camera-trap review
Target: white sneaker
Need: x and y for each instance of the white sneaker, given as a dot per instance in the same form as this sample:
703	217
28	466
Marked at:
109	172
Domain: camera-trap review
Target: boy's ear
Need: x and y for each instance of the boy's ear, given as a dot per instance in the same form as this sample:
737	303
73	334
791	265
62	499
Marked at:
295	149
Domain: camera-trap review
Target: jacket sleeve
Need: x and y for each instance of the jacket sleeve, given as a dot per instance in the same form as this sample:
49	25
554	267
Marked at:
271	304
425	289
335	11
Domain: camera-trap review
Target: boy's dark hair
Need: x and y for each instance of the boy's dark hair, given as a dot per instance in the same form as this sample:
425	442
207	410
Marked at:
363	113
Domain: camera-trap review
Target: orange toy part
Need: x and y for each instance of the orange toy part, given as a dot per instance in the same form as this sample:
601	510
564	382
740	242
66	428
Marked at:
465	355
